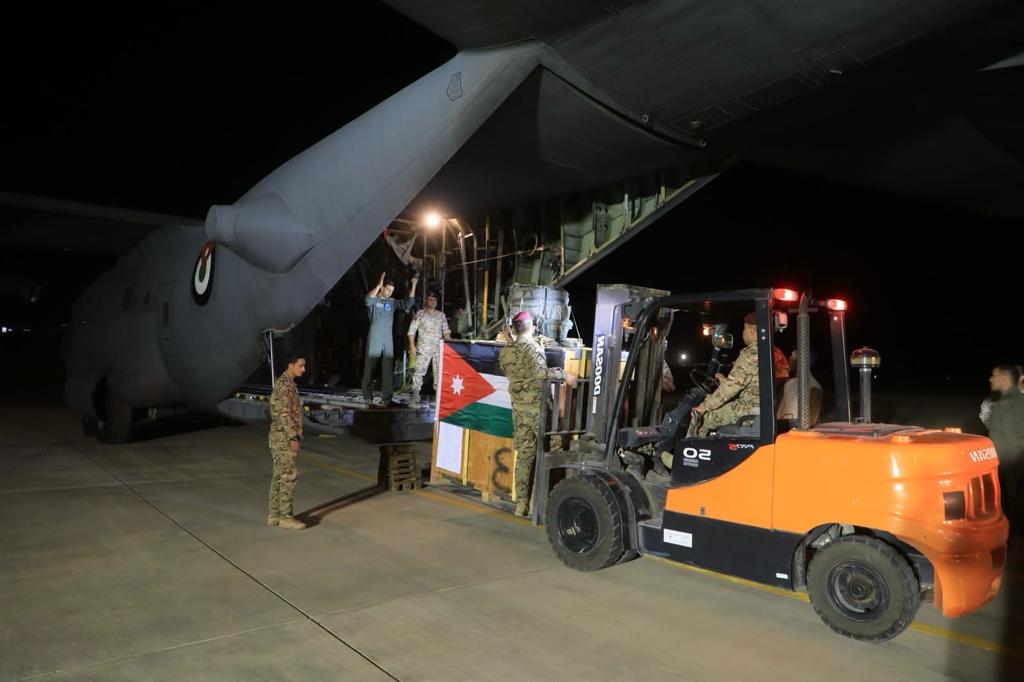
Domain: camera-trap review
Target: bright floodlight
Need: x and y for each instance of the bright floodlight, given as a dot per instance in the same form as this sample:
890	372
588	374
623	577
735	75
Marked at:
683	357
432	220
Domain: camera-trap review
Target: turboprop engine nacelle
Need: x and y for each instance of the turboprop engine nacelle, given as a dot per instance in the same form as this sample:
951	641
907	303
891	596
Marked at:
262	230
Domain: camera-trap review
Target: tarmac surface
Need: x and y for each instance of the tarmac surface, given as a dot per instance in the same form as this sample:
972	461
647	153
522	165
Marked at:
152	560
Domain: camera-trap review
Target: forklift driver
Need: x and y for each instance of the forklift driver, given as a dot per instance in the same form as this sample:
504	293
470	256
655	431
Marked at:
737	395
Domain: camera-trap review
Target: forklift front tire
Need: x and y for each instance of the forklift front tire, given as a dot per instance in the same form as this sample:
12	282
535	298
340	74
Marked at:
584	524
863	588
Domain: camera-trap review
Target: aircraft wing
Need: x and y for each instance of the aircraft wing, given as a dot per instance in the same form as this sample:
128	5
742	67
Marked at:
58	225
474	25
957	143
550	139
921	99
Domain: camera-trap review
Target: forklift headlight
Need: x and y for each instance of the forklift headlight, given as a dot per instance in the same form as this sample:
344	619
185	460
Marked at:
956	505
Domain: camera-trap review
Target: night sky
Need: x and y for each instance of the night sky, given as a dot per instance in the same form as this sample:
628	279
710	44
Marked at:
193	108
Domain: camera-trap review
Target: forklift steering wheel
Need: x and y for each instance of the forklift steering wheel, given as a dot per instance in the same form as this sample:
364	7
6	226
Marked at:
703	381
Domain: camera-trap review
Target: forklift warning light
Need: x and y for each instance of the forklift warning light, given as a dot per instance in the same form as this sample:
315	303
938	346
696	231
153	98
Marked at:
785	295
836	304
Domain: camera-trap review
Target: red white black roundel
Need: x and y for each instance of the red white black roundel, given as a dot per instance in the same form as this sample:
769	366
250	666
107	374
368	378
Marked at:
202	275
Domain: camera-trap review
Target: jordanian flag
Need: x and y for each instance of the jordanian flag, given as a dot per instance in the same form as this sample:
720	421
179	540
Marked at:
472	399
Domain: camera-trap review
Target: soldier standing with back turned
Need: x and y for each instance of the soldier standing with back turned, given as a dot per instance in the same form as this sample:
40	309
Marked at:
524	364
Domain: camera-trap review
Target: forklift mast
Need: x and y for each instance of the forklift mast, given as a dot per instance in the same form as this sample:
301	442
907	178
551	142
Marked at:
618	306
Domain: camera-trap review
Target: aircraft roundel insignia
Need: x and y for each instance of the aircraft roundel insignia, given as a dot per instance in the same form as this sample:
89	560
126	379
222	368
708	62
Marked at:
202	275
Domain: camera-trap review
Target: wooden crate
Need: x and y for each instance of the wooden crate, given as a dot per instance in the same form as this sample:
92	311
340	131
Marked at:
403	467
490	464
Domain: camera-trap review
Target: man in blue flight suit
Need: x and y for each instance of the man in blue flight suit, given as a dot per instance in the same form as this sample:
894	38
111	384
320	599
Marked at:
380	342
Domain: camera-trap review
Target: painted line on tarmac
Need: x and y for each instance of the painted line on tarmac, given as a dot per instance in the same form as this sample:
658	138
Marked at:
439	497
304	457
788	594
922	628
967	640
473	506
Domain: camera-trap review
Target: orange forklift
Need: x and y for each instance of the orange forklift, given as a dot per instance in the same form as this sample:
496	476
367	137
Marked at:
869	519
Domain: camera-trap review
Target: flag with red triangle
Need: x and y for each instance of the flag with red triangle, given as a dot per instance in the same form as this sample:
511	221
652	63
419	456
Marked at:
475	400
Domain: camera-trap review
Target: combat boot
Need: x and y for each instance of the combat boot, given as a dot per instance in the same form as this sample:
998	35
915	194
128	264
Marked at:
522	508
414	402
273	519
290	522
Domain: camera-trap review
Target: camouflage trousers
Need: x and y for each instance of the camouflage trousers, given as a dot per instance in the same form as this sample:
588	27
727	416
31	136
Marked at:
525	424
730	413
282	483
425	357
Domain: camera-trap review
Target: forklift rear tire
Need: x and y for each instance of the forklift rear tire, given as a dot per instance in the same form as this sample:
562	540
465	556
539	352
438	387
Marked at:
584	524
863	588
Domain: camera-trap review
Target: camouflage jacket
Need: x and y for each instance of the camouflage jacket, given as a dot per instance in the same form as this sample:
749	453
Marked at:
526	368
432	327
285	409
741	385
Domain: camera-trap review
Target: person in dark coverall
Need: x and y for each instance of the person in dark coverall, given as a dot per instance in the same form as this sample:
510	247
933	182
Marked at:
1006	429
285	436
380	342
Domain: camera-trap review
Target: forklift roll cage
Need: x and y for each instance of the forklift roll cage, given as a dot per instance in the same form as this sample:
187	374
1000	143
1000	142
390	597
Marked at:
605	415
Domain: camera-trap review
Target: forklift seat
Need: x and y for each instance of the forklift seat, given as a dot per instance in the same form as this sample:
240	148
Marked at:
747	427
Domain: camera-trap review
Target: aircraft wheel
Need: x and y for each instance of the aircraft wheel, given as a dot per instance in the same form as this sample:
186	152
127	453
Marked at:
116	426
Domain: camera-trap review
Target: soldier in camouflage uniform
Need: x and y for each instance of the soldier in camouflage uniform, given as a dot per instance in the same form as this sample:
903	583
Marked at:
285	435
738	394
524	364
432	326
